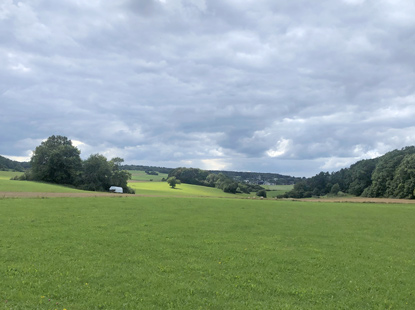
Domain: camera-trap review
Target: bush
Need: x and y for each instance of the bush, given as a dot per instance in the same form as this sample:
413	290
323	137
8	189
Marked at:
262	193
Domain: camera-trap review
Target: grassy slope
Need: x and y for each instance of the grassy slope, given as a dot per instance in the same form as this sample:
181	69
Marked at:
142	176
7	185
163	189
175	253
275	190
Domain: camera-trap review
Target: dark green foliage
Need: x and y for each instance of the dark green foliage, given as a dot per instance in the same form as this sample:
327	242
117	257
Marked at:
384	173
359	176
96	174
403	183
262	193
190	175
56	160
8	164
151	172
99	174
173	181
255	177
335	189
391	175
204	178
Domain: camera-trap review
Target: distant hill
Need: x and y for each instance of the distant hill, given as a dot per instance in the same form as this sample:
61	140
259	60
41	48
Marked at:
259	177
389	176
247	177
147	168
8	164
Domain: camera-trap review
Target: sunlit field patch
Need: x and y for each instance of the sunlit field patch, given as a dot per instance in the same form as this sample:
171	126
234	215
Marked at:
163	189
7	185
200	253
138	175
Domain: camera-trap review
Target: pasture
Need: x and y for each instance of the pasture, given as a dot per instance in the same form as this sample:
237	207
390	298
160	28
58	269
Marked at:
205	253
7	185
163	189
138	175
275	190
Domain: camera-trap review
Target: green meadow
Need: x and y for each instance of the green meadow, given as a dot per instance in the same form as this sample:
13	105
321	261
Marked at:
142	176
204	253
7	185
275	190
163	189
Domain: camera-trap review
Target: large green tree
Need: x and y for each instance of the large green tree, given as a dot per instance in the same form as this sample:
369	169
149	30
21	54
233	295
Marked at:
96	174
99	174
56	160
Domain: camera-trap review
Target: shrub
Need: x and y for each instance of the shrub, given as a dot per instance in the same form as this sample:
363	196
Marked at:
262	193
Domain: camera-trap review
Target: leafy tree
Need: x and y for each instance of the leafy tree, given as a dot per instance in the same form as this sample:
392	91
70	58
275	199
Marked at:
359	176
56	160
403	183
211	180
97	173
262	193
190	175
119	177
384	173
335	189
173	182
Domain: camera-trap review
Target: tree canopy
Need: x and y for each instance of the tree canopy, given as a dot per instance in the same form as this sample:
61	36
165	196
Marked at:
56	160
390	176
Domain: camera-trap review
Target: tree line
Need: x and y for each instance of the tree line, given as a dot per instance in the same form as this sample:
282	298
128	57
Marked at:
205	178
238	176
8	164
57	161
389	176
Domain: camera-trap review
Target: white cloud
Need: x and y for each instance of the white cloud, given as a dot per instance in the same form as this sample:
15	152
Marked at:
280	149
214	164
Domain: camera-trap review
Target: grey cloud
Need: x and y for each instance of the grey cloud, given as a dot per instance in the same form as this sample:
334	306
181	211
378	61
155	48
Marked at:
210	82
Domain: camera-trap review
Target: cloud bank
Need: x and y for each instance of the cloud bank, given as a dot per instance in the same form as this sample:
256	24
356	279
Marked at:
289	87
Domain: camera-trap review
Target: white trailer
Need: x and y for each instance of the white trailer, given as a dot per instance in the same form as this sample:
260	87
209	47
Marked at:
116	189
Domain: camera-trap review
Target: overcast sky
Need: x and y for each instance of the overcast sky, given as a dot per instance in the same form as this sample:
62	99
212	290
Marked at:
293	87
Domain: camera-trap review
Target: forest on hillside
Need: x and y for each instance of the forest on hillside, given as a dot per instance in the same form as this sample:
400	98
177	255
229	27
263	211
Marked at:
8	164
389	176
238	176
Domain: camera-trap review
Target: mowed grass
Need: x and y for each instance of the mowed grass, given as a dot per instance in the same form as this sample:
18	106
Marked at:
197	253
275	190
163	189
7	185
142	176
6	175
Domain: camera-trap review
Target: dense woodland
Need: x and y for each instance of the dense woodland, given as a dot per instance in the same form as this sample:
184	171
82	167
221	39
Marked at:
390	176
8	164
57	161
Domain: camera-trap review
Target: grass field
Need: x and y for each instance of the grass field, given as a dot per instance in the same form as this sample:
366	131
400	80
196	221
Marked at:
163	189
142	176
7	185
181	252
275	190
199	253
